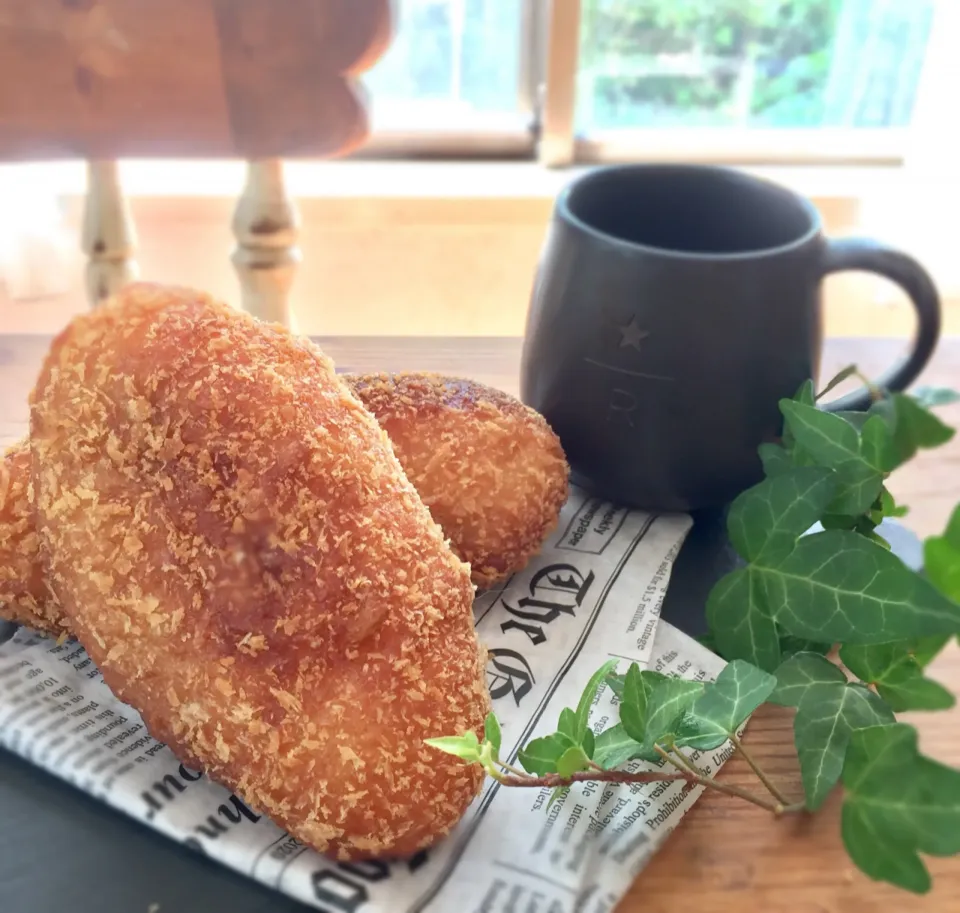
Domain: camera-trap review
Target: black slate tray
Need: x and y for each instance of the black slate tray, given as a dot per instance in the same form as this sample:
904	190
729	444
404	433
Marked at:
61	850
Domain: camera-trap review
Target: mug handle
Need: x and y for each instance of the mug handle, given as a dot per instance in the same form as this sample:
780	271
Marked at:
873	257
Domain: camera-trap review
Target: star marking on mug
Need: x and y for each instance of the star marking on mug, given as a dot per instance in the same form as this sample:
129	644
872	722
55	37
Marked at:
631	334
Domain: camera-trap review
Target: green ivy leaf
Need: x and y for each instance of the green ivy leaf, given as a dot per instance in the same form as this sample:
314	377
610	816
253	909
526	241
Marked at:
801	673
572	760
668	702
889	507
616	684
941	558
587	698
838	586
829	439
876	444
614	747
724	705
897	804
857	419
589	743
897	676
465	746
926	649
638	702
492	733
765	521
741	619
540	757
914	427
775	459
931	397
790	645
567	725
825	719
835	443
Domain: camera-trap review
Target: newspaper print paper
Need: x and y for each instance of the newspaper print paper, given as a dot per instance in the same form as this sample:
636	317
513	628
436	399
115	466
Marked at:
592	594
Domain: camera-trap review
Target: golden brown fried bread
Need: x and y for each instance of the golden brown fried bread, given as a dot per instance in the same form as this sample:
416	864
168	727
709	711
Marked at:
238	549
23	597
490	469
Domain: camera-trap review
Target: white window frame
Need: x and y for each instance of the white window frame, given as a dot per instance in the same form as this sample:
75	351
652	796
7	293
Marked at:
561	146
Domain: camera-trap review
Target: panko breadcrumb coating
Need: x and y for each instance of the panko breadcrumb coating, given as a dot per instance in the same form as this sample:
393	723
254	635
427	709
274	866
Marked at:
23	597
237	547
490	469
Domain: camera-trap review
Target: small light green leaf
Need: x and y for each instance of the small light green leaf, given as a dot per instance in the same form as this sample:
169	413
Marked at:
567	724
614	747
941	558
492	733
541	755
741	620
837	379
589	743
801	673
931	397
775	459
724	705
668	703
571	761
837	586
897	804
897	675
826	717
765	521
465	746
589	695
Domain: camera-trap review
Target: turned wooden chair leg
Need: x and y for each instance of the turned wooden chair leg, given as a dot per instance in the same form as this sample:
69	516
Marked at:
109	237
266	225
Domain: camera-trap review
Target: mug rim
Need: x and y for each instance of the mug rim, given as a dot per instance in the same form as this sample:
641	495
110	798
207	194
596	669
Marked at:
803	203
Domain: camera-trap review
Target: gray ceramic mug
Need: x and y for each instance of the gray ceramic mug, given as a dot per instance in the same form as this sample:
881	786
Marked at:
673	306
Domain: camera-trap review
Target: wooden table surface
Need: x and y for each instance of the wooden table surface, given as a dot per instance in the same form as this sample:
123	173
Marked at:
726	855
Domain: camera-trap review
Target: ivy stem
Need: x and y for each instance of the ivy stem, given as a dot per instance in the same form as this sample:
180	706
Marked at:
761	776
586	776
678	756
511	769
775	809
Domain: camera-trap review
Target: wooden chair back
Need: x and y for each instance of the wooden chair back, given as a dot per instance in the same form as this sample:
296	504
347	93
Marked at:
262	80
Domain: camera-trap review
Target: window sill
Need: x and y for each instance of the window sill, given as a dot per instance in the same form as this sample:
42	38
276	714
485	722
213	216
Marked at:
419	179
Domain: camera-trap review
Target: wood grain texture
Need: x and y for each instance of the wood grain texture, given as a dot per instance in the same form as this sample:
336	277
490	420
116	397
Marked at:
186	78
725	856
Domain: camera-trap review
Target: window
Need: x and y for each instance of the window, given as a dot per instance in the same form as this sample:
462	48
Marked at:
457	75
782	80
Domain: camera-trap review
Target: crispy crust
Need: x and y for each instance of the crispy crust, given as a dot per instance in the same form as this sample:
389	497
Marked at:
23	597
238	549
490	469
